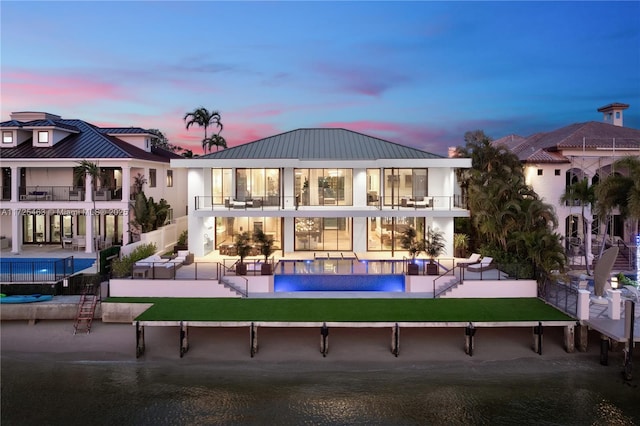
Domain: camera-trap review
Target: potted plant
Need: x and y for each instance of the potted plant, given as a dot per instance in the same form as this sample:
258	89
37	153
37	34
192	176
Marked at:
410	242
183	242
460	244
243	248
433	247
266	249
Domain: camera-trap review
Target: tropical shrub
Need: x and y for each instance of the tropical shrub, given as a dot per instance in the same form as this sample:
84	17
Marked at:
123	267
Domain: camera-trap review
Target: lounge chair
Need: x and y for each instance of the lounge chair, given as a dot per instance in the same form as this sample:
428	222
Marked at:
484	265
474	258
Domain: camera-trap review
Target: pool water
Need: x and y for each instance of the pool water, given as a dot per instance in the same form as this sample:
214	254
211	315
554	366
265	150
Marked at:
325	282
41	269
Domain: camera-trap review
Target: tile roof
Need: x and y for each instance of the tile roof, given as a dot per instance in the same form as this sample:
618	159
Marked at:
321	144
548	146
89	142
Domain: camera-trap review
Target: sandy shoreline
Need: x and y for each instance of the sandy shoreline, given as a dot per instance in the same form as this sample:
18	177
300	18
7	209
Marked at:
291	346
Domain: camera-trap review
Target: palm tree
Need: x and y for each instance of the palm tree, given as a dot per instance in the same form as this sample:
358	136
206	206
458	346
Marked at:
215	140
584	193
205	118
619	191
87	168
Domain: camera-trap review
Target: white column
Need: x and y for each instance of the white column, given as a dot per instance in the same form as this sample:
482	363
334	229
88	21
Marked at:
583	305
126	195
16	232
15	183
89	240
126	183
588	228
614	304
88	184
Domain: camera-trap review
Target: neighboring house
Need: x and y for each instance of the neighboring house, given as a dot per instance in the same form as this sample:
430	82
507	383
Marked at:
320	190
554	160
44	202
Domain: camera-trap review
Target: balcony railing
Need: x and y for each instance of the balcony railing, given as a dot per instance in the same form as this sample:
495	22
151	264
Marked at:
220	203
65	193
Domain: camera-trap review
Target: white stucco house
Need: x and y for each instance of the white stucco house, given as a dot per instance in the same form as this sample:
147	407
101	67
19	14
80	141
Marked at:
320	190
44	202
554	160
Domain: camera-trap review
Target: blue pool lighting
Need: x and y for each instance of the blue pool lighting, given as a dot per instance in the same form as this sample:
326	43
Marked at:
331	282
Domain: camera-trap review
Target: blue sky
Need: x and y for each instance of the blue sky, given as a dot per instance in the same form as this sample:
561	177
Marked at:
416	73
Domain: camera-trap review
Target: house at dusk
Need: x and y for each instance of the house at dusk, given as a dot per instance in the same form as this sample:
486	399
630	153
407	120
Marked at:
321	190
44	202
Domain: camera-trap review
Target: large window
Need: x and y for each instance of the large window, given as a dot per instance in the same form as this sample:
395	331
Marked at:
324	187
228	227
323	233
258	185
404	184
169	178
385	233
221	185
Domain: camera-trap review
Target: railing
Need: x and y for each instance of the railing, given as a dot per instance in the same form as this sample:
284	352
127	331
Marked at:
627	253
37	271
561	295
207	202
451	272
65	193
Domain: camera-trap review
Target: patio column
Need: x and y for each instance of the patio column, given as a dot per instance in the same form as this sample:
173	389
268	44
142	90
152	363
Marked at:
126	195
15	183
16	232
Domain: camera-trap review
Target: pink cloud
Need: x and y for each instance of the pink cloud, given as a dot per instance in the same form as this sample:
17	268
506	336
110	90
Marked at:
26	88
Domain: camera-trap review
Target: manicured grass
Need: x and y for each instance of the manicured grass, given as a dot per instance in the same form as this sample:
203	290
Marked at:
352	310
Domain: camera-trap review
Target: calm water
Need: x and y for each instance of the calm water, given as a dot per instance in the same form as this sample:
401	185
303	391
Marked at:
177	393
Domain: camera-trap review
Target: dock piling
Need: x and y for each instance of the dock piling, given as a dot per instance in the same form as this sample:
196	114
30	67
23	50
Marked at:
604	350
569	339
469	332
253	339
184	339
395	340
139	339
324	339
537	338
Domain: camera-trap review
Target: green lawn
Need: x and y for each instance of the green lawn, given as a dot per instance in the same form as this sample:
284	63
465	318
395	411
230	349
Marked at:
352	310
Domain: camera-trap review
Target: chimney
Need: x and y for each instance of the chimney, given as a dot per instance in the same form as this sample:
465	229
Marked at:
612	113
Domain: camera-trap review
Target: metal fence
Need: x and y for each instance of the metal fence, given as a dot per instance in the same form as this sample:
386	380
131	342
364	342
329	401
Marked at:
561	295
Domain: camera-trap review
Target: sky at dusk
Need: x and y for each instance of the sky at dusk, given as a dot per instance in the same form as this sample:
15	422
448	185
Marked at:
416	73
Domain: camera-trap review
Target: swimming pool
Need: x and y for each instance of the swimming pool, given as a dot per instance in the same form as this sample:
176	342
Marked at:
40	269
339	275
325	282
341	267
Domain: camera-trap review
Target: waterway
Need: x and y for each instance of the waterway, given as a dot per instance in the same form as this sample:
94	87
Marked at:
49	391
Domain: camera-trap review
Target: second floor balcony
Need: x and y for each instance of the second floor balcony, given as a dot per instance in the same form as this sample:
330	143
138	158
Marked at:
271	203
62	193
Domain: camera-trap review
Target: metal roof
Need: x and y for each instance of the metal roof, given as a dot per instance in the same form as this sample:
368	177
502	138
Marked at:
321	144
89	142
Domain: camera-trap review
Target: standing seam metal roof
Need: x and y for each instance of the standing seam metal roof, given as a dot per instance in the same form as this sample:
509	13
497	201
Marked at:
90	142
321	144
